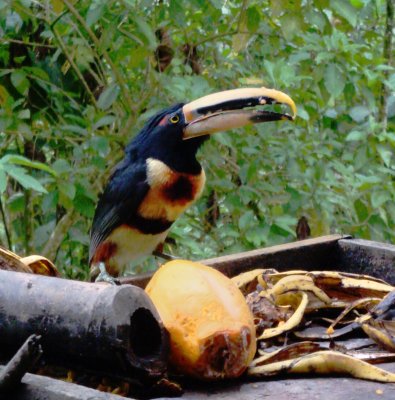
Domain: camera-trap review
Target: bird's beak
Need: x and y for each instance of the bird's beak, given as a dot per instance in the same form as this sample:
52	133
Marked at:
233	109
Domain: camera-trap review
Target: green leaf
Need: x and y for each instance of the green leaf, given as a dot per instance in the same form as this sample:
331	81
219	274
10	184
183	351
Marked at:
16	203
334	80
385	154
20	82
280	231
256	235
345	10
302	113
61	166
361	210
74	129
101	145
253	18
379	198
108	96
84	206
357	3
25	180
246	220
20	160
291	24
50	201
359	113
24	114
37	72
5	71
147	31
287	223
95	12
67	189
355	136
239	41
104	121
3	180
270	67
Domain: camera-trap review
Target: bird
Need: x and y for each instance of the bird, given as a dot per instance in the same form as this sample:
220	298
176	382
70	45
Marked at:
160	176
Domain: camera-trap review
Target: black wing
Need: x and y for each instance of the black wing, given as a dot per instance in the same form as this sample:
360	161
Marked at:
121	198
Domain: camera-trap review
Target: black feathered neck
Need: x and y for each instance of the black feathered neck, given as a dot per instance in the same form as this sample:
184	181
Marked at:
165	142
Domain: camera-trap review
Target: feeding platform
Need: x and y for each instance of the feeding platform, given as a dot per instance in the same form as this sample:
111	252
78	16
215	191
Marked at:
329	253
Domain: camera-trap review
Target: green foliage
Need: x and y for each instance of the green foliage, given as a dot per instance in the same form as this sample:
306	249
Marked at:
9	166
78	80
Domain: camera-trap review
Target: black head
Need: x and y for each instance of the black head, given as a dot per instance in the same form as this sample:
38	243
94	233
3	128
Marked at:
175	134
162	138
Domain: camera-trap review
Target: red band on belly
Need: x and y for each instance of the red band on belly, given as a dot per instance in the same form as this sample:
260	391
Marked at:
104	252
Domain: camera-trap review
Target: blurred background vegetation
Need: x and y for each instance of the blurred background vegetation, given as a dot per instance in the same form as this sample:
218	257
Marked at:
78	79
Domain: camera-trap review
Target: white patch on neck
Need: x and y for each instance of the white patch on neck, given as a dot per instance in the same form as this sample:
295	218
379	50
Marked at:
155	204
158	173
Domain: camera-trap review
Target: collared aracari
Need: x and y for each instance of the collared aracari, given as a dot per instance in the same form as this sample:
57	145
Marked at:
160	176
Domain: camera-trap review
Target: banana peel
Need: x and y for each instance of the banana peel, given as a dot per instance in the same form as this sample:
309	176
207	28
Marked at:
298	283
324	363
34	264
291	351
318	307
247	281
291	323
377	331
379	323
40	265
365	301
9	261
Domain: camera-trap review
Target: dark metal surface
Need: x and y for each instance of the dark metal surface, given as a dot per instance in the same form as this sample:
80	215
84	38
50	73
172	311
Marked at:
368	257
115	329
310	254
302	388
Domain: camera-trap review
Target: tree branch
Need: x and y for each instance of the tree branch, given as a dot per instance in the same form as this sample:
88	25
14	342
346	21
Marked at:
31	44
74	66
57	236
95	40
7	232
387	56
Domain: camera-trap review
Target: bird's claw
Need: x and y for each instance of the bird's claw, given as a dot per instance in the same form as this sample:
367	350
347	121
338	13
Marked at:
104	276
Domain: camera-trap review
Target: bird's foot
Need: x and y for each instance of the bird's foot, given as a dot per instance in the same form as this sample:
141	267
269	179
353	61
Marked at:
104	276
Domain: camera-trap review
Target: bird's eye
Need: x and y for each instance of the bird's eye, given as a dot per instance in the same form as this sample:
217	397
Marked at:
174	119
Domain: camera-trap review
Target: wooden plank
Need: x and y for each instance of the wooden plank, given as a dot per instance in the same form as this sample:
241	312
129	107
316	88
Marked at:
25	359
368	257
316	253
44	388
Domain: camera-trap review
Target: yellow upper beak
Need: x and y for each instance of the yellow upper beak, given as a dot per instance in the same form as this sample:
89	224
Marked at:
232	109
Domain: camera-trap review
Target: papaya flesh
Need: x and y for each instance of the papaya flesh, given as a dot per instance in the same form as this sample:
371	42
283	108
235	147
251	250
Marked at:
212	333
